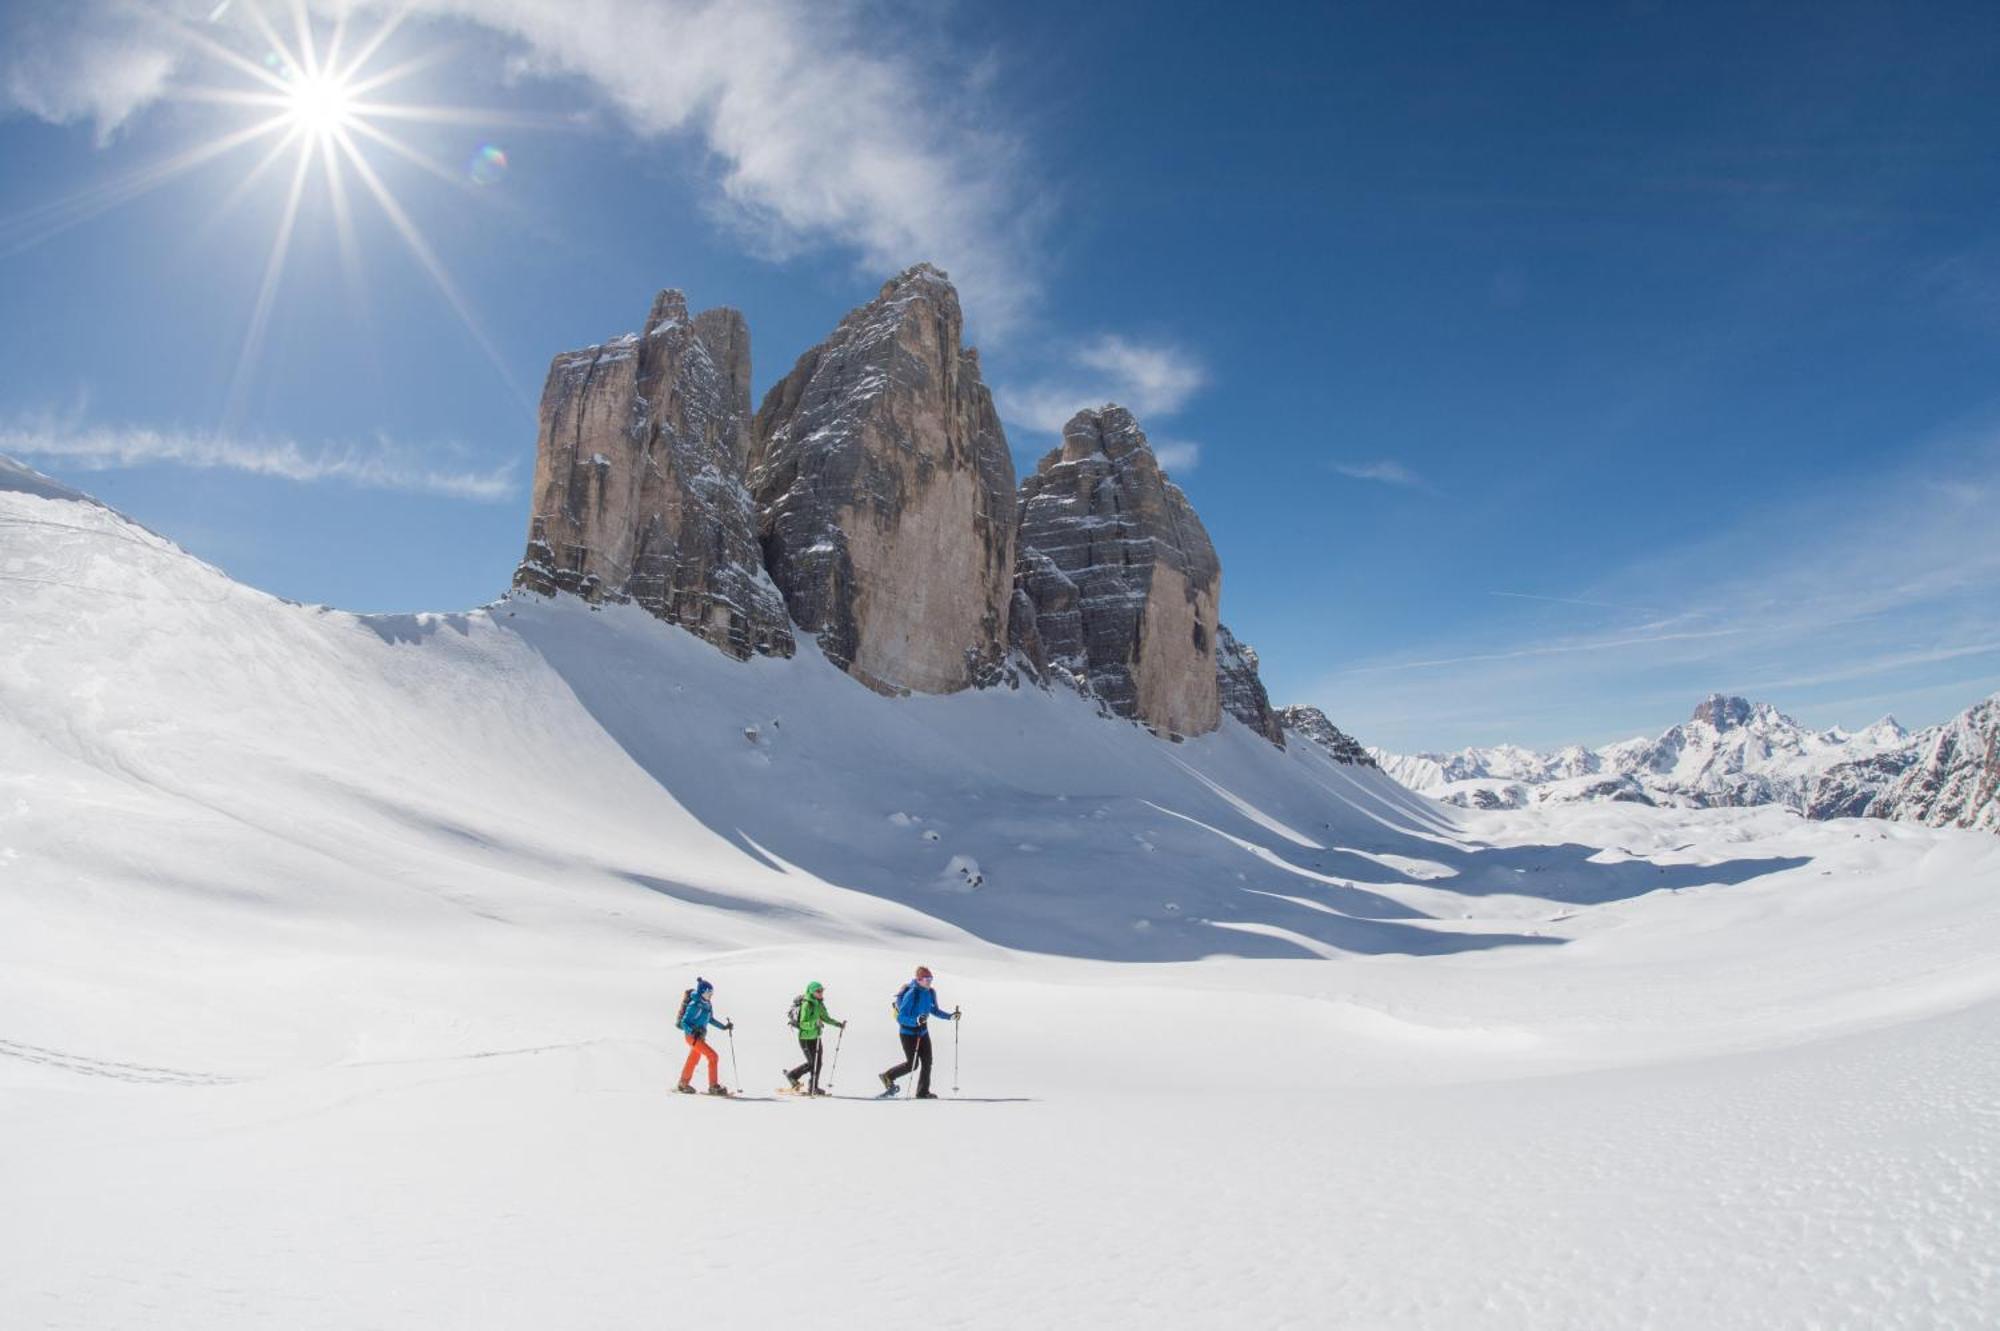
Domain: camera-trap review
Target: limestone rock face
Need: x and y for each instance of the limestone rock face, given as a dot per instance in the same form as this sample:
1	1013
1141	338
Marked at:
1311	722
1240	689
885	492
1124	582
639	491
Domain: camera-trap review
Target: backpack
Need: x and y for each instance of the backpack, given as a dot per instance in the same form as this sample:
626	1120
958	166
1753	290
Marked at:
792	1017
680	1018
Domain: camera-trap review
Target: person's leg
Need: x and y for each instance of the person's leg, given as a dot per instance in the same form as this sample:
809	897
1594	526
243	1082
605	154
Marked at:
909	1058
793	1075
923	1057
694	1055
812	1060
707	1051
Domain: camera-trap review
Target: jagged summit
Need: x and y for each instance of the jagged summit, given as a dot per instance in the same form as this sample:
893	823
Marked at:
870	501
885	491
1120	575
1312	723
1733	752
639	490
1723	711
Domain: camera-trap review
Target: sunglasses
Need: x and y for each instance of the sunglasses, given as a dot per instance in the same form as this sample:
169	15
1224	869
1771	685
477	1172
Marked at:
924	980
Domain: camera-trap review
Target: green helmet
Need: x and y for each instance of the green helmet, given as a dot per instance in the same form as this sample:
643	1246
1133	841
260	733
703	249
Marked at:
814	987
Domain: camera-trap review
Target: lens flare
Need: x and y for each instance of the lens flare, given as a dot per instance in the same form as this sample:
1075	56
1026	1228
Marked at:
488	166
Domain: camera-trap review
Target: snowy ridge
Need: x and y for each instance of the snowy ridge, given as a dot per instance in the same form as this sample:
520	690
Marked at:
1730	753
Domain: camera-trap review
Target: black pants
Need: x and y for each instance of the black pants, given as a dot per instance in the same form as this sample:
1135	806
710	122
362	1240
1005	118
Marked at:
811	1048
916	1054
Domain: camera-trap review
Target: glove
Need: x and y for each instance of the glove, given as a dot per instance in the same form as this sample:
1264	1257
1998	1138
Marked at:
728	1025
954	1014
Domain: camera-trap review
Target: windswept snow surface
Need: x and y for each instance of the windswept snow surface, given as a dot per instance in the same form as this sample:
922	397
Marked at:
338	956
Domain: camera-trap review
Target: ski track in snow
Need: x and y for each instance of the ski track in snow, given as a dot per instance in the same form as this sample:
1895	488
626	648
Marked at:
339	954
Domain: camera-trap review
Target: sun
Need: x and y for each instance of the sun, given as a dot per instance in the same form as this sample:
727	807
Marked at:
321	105
311	94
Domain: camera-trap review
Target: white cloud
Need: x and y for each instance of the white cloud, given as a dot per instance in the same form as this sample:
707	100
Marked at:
1177	455
1152	380
380	465
72	64
819	132
1387	471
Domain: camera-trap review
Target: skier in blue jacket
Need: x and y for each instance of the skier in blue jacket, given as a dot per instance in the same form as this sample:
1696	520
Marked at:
697	1012
916	1004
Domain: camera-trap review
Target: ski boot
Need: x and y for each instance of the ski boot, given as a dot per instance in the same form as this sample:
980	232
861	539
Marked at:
888	1083
685	1088
927	1095
718	1089
794	1081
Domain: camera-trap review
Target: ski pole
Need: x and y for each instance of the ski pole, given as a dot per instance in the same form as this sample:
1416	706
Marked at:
835	1066
735	1074
955	1020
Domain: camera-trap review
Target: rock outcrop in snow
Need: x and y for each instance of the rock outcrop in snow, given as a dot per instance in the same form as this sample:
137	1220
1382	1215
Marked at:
886	498
870	501
1311	722
1240	688
1943	776
1121	577
639	491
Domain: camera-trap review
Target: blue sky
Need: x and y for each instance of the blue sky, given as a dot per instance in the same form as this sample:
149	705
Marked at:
1537	369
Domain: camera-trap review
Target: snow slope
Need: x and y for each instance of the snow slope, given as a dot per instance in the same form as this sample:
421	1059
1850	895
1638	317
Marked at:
337	957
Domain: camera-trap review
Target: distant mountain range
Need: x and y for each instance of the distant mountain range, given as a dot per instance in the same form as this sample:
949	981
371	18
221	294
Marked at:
1733	752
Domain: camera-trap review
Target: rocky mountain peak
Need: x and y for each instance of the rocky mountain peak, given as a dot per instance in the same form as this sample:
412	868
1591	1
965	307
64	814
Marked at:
885	491
1313	724
670	308
639	490
1723	711
1120	577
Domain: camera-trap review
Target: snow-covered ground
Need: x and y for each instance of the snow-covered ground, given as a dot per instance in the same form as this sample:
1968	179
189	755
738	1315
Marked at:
338	957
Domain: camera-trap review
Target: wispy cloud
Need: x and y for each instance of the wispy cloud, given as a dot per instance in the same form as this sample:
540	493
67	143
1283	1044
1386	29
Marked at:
1154	380
377	465
1889	578
1573	600
1177	455
1387	471
820	134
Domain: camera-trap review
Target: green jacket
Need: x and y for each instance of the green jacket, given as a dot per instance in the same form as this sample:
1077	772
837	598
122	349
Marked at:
813	1015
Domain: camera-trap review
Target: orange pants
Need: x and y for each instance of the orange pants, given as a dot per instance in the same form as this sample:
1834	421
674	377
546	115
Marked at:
698	1049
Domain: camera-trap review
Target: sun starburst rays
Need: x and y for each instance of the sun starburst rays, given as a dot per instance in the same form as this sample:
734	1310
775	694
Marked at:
317	101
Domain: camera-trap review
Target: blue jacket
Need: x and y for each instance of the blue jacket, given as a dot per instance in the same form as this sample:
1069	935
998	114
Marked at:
699	1014
915	1005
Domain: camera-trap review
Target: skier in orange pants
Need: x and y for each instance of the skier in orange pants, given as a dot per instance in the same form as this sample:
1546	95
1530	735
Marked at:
696	1015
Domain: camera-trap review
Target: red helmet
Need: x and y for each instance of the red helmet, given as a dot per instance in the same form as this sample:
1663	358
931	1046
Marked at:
923	972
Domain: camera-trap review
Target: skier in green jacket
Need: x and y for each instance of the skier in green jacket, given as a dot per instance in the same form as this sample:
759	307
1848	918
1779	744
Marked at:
809	1014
